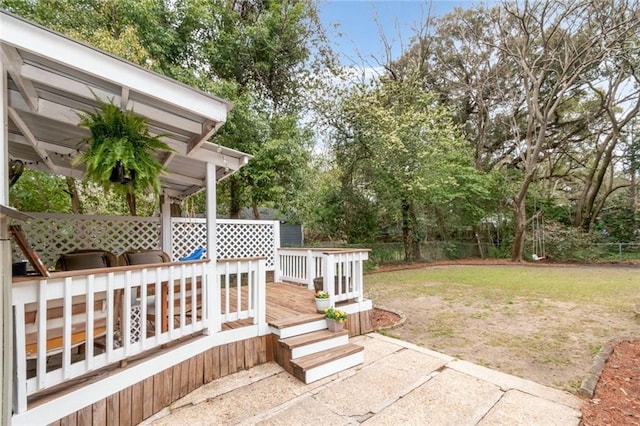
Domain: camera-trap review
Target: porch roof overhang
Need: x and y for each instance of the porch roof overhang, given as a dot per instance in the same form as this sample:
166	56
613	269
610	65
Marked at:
52	78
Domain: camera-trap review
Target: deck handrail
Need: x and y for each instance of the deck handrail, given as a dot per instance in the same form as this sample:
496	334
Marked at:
123	298
341	270
244	284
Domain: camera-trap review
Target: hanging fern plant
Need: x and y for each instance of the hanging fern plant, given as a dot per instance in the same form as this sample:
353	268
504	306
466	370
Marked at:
121	153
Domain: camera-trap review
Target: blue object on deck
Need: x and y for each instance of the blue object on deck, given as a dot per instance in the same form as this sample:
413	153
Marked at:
197	254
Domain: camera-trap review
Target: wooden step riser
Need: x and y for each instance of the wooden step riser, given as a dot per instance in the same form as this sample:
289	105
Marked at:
329	368
316	347
309	327
284	355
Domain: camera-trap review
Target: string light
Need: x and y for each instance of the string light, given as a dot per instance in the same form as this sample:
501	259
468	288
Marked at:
47	158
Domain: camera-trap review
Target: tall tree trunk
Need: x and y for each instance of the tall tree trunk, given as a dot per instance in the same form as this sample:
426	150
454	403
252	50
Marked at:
520	220
72	190
234	198
406	230
131	203
256	210
410	237
416	235
634	191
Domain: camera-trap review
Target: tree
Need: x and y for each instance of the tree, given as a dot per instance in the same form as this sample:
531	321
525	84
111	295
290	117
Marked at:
402	152
257	54
555	49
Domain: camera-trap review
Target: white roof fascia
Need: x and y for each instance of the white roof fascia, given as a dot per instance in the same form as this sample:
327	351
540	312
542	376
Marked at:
39	41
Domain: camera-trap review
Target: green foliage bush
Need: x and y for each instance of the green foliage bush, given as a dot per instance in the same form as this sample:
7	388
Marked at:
567	244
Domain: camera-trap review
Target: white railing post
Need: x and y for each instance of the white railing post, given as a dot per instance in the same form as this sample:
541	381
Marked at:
277	276
359	277
20	377
214	319
166	226
328	274
261	298
311	270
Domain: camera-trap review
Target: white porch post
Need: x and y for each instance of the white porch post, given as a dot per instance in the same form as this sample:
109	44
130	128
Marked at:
277	274
215	310
6	330
328	274
311	269
165	225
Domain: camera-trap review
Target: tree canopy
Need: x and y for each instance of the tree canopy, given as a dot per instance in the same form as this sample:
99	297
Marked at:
491	117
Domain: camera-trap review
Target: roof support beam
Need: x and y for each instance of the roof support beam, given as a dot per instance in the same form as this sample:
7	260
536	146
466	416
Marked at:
182	179
68	115
208	129
22	126
82	90
12	60
221	160
124	97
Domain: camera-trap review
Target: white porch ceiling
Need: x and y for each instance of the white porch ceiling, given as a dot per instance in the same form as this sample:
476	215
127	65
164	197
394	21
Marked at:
51	78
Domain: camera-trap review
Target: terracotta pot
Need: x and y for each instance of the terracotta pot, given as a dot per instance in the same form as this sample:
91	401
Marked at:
334	325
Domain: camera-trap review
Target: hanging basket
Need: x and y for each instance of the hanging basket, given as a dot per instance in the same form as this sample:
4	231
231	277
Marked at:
121	175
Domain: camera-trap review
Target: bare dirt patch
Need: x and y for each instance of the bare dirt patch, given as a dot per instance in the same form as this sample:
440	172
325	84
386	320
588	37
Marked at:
550	342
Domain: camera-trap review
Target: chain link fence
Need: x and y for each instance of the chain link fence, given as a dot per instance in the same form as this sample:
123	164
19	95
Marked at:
431	251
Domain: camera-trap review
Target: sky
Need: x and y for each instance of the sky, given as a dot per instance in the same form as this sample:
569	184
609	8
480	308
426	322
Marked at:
352	28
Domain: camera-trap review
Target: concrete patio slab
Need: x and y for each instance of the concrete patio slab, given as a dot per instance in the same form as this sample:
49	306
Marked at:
239	404
400	383
507	382
227	384
518	408
376	349
450	398
380	383
305	411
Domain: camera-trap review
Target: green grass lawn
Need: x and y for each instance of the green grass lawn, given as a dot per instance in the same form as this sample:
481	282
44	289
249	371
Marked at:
543	323
614	287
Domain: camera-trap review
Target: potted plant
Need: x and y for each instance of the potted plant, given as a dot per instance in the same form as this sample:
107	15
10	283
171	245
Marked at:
322	301
335	319
121	154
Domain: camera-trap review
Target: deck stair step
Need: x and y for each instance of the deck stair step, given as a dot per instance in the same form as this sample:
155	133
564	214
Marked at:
301	324
311	368
310	352
308	344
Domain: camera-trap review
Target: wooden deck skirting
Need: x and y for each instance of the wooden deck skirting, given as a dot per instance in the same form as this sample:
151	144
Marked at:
138	402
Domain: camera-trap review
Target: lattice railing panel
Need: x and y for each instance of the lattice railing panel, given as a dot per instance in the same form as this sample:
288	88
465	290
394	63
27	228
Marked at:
187	235
235	238
54	234
51	235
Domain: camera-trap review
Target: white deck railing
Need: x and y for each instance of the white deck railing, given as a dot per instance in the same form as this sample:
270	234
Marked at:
242	284
117	313
341	270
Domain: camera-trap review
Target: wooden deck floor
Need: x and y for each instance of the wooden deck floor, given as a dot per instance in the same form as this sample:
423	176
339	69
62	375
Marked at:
286	301
286	304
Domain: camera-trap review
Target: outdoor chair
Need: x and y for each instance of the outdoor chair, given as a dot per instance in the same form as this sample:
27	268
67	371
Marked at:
143	257
148	257
72	261
85	259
